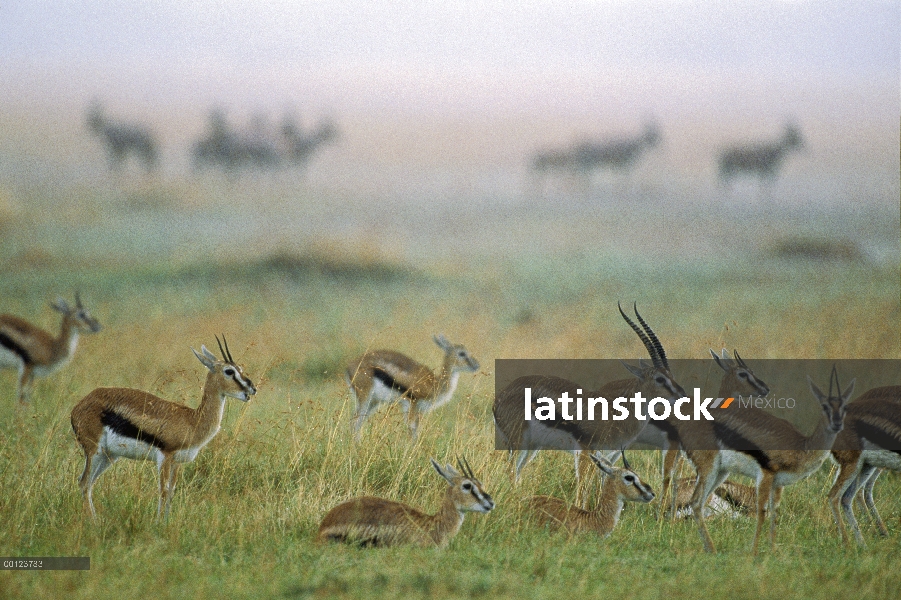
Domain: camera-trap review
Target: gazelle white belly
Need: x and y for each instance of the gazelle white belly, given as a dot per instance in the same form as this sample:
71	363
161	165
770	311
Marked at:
9	359
741	464
120	446
537	435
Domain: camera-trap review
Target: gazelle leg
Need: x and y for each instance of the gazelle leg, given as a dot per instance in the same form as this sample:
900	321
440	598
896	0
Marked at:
165	471
170	486
871	505
670	464
764	494
413	420
708	480
843	481
524	458
95	464
364	409
26	378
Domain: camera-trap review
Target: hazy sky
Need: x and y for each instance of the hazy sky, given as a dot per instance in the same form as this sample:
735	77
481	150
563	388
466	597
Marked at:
178	47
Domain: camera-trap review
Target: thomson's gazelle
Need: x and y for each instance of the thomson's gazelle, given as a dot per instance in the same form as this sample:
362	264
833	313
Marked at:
113	423
769	450
869	442
370	521
620	485
36	353
384	376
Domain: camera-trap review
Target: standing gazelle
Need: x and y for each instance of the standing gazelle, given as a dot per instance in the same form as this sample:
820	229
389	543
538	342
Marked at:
370	521
769	450
869	442
738	380
113	423
620	485
385	376
36	353
651	380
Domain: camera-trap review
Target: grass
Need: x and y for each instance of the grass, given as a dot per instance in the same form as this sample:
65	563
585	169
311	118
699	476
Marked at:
246	510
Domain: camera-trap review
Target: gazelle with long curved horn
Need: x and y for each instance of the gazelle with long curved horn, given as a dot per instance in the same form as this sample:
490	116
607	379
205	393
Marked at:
385	376
651	380
869	442
113	423
620	485
738	380
36	353
769	450
370	521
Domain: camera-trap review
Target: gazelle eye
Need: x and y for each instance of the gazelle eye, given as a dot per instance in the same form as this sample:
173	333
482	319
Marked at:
743	375
229	372
629	479
466	486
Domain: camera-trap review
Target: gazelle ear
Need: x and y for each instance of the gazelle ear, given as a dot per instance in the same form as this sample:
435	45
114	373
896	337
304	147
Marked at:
846	396
816	391
61	305
602	464
723	361
442	341
632	369
208	360
447	472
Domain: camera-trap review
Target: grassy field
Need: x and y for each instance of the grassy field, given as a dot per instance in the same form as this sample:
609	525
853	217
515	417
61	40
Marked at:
301	283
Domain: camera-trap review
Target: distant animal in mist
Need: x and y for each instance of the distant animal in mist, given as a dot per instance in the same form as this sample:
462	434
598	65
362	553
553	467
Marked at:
123	140
586	157
762	160
258	146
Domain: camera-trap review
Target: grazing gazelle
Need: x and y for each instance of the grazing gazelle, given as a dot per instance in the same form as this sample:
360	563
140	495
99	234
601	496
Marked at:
738	380
652	381
36	353
385	376
762	159
869	442
620	485
370	521
113	423
769	450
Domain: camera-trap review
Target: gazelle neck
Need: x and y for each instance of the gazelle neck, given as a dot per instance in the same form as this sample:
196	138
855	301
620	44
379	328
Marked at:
208	415
822	437
64	345
447	521
609	508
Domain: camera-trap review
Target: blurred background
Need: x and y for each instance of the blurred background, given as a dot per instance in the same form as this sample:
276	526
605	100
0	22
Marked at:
440	131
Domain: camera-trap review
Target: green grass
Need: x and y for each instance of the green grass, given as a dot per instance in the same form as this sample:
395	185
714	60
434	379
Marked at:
245	512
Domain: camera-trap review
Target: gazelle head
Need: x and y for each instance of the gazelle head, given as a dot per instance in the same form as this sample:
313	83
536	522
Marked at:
628	484
234	383
657	381
79	316
461	359
834	407
741	378
465	490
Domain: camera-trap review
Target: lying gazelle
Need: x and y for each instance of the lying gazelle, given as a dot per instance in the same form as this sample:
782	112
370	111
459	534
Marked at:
385	376
869	442
369	521
36	353
652	381
113	423
730	498
765	448
620	485
738	380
